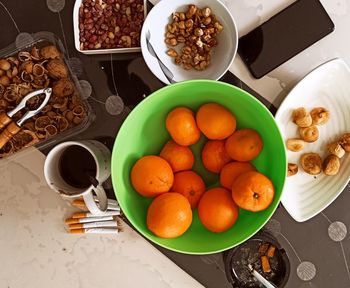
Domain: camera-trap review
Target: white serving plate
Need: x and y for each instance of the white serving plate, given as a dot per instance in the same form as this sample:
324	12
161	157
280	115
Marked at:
222	55
98	51
328	85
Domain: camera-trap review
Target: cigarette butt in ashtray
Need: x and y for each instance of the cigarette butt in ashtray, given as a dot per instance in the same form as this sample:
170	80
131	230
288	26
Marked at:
88	219
95	231
114	224
260	278
88	214
112	204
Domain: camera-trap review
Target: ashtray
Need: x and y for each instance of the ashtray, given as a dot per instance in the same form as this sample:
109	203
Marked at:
262	245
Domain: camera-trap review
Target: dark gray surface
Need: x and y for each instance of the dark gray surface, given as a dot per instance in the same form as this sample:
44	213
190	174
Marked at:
130	76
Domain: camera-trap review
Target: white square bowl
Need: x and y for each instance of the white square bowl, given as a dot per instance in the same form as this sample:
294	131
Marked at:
98	51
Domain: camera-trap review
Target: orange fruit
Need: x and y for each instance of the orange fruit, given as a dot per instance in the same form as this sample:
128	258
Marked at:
189	184
253	191
151	175
169	215
217	211
182	126
244	145
214	155
179	157
232	170
215	121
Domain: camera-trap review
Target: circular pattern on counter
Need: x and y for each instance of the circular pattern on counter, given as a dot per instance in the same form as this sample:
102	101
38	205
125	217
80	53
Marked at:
114	105
23	39
306	271
55	5
75	65
274	227
337	231
86	89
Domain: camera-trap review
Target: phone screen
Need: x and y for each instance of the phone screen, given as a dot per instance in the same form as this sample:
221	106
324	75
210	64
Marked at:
284	35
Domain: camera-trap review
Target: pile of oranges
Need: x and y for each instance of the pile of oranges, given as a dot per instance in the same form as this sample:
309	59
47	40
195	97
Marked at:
177	189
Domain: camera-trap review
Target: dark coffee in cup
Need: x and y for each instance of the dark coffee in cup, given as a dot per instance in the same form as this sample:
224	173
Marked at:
77	169
77	166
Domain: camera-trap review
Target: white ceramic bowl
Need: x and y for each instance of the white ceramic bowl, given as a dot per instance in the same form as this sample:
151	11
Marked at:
98	51
156	22
304	196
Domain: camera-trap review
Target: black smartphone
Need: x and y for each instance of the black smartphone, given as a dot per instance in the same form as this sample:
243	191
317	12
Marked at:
284	35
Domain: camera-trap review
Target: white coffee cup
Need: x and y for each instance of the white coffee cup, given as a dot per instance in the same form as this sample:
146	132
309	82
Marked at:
102	157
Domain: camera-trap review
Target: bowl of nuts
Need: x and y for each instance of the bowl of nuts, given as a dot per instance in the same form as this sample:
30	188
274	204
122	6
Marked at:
189	39
25	70
108	26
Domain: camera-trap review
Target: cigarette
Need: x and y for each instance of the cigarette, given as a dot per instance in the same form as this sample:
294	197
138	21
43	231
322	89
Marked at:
112	204
260	278
95	231
88	219
94	225
79	204
88	214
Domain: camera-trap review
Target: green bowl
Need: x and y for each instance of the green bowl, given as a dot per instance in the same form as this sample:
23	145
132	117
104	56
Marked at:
144	133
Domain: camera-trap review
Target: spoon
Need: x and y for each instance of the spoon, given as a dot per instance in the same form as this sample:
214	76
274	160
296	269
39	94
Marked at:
94	182
260	278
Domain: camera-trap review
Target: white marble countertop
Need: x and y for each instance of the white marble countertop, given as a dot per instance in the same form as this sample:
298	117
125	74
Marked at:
35	249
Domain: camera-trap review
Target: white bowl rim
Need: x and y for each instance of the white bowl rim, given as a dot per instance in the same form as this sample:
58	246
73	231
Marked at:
157	8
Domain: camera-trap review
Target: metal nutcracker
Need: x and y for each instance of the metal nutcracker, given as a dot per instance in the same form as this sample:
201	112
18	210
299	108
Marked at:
12	128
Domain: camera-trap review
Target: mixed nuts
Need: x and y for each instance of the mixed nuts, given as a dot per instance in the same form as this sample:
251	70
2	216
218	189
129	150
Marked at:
195	32
31	70
107	24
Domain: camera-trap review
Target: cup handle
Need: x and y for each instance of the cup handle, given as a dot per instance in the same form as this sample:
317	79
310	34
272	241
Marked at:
93	207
